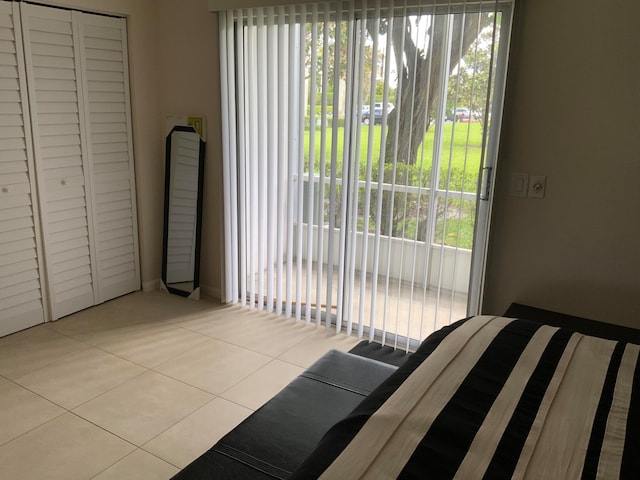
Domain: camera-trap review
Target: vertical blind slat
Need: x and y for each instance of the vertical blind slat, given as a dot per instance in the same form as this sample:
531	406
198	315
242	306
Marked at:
323	166
394	163
311	168
229	218
291	163
428	39
253	164
300	166
367	198
242	179
353	152
346	162
334	162
282	155
233	163
354	176
378	216
272	155
262	153
442	258
341	221
438	153
464	173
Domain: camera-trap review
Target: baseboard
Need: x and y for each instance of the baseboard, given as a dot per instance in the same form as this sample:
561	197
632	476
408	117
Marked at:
151	285
210	292
206	291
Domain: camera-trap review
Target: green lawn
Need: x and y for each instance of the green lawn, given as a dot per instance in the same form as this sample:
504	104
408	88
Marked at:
464	134
460	162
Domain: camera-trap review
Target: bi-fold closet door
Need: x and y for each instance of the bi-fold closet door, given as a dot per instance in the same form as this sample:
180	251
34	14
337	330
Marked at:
78	104
22	289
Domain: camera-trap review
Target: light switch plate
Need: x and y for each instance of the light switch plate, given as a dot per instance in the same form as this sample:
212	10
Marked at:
519	184
537	186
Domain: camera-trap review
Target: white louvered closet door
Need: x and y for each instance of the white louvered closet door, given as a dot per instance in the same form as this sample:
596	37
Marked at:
21	296
59	139
103	47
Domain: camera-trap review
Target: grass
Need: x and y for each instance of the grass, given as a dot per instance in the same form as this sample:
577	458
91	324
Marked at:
466	140
459	165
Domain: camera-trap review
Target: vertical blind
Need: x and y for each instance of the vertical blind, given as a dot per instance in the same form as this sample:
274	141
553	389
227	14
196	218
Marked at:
354	142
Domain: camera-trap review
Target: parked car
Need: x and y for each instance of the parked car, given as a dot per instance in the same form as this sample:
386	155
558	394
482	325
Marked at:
377	113
463	114
460	114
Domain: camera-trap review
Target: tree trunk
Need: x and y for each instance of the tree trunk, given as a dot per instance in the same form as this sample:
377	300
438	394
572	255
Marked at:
418	92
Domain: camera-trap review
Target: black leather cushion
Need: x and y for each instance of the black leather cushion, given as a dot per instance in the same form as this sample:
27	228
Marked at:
275	439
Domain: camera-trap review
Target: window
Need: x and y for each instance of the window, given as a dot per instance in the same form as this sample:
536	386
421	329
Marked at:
333	213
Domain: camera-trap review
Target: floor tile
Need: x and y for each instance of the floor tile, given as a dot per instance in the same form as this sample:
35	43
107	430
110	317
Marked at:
162	306
117	331
268	334
22	411
93	362
31	349
99	317
152	344
194	435
227	318
135	309
272	336
209	310
214	366
139	465
80	377
263	384
317	344
143	407
66	448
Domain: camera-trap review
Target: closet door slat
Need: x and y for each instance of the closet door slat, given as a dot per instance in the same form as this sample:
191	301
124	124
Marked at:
103	47
55	79
67	186
21	291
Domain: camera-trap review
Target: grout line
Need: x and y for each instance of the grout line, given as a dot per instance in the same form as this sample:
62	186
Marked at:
127	456
183	419
64	412
179	322
160	458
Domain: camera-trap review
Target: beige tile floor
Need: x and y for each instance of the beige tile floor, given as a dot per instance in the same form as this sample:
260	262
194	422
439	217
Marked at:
138	387
409	311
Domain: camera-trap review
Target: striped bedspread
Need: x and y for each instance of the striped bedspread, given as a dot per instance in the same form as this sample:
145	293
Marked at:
497	398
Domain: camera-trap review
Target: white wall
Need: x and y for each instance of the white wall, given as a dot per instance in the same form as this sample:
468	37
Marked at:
189	84
573	114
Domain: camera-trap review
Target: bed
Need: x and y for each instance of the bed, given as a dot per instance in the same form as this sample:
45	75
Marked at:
495	397
550	396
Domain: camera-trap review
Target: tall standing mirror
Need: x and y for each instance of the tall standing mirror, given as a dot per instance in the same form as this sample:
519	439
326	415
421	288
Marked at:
183	212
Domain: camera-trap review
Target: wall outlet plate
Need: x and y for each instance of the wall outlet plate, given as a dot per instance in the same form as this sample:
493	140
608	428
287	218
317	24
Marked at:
537	186
519	184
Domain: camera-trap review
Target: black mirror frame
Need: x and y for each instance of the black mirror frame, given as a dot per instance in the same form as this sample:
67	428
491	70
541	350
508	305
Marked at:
165	232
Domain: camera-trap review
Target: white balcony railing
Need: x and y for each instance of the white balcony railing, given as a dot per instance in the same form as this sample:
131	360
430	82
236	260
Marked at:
448	267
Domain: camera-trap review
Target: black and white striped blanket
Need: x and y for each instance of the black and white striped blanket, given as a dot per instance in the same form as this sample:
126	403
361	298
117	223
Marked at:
493	397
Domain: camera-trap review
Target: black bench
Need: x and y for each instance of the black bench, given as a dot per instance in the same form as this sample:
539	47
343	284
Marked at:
275	439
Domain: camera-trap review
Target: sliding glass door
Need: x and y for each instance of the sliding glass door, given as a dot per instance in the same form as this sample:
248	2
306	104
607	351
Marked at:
358	139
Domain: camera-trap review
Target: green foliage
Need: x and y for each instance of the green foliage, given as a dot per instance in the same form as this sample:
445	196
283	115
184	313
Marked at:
459	170
467	87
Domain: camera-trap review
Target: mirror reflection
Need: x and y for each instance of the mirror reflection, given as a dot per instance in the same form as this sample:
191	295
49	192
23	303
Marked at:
183	212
